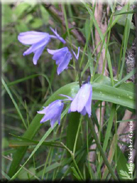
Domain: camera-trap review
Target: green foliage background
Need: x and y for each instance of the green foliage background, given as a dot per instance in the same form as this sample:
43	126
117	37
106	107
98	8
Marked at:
35	151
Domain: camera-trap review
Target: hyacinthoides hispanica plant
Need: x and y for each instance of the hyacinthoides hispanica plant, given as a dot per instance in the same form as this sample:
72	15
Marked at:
72	103
80	103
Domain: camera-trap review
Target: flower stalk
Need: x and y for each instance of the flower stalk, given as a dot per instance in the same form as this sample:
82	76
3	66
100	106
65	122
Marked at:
76	61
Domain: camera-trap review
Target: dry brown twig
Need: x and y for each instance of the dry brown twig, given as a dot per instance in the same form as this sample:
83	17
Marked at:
103	27
60	16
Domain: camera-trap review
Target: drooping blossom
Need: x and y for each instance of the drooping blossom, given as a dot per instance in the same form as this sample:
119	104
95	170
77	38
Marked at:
37	40
52	112
82	101
62	57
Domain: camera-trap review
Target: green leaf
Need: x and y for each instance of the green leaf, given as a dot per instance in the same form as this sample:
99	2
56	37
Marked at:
87	31
107	134
29	174
5	175
122	20
121	163
7	16
14	102
21	27
6	41
50	168
72	129
114	95
21	9
37	22
27	142
75	173
44	14
35	149
74	142
127	12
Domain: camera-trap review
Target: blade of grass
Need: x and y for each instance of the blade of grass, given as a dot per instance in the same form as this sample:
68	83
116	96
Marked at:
103	42
126	77
125	42
101	150
29	134
30	77
107	135
14	102
66	22
110	155
5	175
35	149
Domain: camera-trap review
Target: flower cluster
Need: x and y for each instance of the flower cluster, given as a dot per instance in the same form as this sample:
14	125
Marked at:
82	101
38	42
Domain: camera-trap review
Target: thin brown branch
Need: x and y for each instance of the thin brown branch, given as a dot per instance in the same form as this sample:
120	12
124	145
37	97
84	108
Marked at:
103	27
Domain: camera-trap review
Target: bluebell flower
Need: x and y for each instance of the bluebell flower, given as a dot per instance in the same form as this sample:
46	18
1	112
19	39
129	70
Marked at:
52	112
82	101
37	40
62	57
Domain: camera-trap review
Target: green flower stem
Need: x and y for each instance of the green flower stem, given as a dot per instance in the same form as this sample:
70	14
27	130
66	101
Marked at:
79	74
77	64
70	47
101	150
